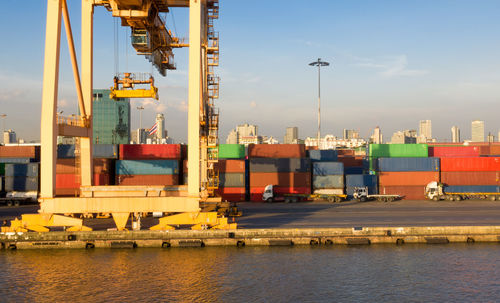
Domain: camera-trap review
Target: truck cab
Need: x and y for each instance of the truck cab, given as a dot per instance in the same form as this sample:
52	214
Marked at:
268	194
434	191
360	193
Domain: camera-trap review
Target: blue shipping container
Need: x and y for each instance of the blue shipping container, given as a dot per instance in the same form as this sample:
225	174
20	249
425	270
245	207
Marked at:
65	151
353	170
105	151
21	184
16	160
472	189
332	181
279	165
147	167
361	180
408	164
21	170
323	155
328	168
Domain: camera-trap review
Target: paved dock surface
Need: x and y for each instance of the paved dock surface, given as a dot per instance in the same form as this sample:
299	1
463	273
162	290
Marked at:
345	214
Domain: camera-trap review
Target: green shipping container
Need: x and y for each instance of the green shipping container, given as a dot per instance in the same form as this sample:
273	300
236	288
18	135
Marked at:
2	169
399	150
231	151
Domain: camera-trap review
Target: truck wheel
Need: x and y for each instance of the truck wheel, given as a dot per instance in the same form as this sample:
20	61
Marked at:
295	200
269	200
491	198
9	203
331	199
17	203
458	198
363	199
435	198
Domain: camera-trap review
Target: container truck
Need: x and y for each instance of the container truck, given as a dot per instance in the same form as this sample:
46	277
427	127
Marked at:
437	191
361	194
270	195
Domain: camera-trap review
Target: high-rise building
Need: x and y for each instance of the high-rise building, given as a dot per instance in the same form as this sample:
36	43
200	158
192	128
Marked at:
160	119
9	136
491	138
141	136
425	129
350	134
111	119
404	137
291	135
477	131
376	137
232	138
455	134
244	134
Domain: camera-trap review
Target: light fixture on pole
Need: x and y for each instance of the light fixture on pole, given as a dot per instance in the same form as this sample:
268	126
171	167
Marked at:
140	108
319	64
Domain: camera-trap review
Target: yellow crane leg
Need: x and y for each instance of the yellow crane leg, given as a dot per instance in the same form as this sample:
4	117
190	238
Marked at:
120	220
40	222
197	220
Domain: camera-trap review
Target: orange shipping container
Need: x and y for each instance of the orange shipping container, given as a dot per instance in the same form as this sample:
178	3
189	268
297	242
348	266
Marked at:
408	192
20	152
147	179
230	166
280	179
67	166
67	192
407	178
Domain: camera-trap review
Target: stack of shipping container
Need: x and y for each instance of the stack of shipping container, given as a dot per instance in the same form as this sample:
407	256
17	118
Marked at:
464	171
283	165
148	164
19	168
327	172
232	172
403	169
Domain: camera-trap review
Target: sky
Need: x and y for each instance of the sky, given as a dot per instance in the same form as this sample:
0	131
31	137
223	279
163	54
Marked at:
392	63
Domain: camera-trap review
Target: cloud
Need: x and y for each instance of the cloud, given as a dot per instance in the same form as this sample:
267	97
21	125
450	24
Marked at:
253	104
392	67
11	94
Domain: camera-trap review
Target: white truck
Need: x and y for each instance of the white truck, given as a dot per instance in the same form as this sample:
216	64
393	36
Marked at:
270	195
15	198
435	191
361	194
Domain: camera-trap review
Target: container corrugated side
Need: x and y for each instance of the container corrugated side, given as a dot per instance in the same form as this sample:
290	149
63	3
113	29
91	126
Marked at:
276	151
20	152
408	164
16	160
471	164
150	151
232	194
21	184
231	151
105	151
327	168
281	165
230	166
413	178
147	167
300	179
65	151
471	178
322	155
361	180
408	192
332	181
454	151
472	189
232	180
398	150
21	170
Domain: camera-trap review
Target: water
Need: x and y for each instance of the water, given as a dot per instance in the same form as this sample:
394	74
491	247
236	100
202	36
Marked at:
377	273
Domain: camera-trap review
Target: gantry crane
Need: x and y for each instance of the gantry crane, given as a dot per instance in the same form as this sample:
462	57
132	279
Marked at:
149	37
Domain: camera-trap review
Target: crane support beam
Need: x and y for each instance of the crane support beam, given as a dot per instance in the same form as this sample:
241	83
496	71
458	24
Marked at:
86	167
73	131
48	132
194	96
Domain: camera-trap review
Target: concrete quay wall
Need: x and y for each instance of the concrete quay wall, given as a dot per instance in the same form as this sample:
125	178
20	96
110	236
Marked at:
250	237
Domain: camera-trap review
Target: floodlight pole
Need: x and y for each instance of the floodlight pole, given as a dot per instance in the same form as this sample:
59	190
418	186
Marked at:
319	63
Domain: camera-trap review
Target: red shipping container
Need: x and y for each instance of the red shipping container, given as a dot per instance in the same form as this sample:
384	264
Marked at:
471	178
471	164
454	151
102	179
280	179
407	178
276	151
102	166
232	194
351	161
67	181
20	152
230	166
149	151
493	150
67	166
408	192
256	192
147	179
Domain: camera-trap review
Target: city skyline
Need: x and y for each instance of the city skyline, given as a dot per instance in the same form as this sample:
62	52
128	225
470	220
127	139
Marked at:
388	68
